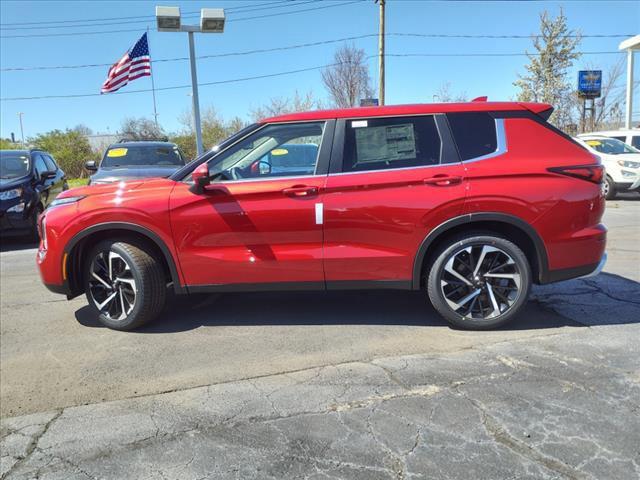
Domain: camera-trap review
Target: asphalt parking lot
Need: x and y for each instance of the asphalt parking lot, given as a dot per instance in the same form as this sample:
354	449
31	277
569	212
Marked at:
326	385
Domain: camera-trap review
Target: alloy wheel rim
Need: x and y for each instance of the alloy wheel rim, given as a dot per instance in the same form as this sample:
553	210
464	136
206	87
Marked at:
605	188
480	282
112	286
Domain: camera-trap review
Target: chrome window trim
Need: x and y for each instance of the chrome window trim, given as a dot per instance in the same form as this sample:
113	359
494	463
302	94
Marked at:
501	143
387	170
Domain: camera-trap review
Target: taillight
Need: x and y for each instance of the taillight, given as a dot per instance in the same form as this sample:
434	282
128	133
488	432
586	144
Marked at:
590	173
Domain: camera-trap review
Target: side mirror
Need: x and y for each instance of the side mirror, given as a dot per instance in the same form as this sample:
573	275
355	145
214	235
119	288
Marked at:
47	175
90	165
200	178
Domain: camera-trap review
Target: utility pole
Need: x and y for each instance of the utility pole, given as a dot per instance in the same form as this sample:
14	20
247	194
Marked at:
20	114
194	98
381	54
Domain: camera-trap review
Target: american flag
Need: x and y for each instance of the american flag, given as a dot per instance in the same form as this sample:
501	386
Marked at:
134	64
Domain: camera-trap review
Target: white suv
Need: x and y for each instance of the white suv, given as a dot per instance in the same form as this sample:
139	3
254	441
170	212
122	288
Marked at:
630	137
621	163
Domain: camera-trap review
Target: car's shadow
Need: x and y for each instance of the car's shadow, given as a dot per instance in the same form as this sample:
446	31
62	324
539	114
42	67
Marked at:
324	308
14	244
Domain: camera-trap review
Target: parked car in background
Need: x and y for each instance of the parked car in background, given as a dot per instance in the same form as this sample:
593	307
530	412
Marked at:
470	203
29	181
135	160
621	163
630	137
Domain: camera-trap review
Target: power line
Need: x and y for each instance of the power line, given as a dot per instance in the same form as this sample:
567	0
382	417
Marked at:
150	17
217	55
74	34
289	47
294	3
256	77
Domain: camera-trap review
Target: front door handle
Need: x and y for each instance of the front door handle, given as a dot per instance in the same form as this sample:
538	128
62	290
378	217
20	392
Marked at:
300	191
443	180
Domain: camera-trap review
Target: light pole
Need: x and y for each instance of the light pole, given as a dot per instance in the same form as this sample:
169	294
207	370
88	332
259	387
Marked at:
20	114
211	21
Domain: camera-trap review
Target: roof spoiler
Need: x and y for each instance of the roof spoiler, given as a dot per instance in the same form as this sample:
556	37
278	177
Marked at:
543	110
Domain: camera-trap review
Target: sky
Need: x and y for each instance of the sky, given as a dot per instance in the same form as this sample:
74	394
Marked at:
267	24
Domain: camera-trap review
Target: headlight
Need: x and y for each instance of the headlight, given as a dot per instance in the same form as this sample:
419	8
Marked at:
65	201
9	194
628	164
19	208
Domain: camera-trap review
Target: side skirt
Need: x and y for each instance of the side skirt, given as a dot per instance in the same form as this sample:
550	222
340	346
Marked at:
303	286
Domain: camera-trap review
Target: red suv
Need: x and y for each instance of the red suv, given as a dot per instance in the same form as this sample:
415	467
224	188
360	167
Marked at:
470	202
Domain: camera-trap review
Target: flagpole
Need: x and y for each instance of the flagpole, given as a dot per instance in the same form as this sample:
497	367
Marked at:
153	84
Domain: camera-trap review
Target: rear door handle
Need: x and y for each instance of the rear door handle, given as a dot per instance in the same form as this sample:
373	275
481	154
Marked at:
443	180
300	191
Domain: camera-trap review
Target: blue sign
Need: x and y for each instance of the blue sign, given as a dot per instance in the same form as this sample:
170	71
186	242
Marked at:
368	102
589	83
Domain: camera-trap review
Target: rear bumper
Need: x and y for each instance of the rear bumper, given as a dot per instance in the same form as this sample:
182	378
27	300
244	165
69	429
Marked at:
583	271
598	268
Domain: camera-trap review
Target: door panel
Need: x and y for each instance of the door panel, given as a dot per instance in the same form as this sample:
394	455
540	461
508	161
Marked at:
249	232
393	181
375	221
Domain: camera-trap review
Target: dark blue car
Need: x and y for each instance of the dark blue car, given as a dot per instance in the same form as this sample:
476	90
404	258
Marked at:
29	181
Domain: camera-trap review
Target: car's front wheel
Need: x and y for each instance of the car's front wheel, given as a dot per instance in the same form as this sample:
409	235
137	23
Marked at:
479	281
124	284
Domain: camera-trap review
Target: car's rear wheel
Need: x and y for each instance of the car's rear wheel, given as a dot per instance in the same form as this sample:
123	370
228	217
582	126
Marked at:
479	281
124	284
609	188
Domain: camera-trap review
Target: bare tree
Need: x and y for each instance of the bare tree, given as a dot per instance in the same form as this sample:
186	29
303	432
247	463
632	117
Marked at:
141	129
546	79
282	105
347	80
444	94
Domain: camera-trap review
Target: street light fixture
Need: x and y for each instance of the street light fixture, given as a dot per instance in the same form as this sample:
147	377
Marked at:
211	21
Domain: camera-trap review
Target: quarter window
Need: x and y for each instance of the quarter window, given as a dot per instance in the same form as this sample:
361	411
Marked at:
386	143
635	141
474	133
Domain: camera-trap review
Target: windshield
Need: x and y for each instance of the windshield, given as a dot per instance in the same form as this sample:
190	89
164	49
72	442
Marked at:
14	165
610	146
138	156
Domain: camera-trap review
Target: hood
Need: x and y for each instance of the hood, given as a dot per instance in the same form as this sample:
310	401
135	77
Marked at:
122	186
124	173
9	183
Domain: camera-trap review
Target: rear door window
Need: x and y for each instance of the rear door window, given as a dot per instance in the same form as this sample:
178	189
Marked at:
474	134
635	141
387	143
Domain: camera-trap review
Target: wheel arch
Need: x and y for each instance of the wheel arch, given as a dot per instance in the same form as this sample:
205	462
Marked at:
79	244
517	230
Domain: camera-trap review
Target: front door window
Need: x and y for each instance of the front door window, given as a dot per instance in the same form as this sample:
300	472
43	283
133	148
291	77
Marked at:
282	150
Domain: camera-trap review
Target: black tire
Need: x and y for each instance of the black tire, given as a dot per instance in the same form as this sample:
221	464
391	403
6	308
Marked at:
149	288
458	247
34	235
609	188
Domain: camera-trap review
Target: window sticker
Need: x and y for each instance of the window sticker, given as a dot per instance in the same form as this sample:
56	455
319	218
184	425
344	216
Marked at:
386	144
359	123
279	151
117	152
